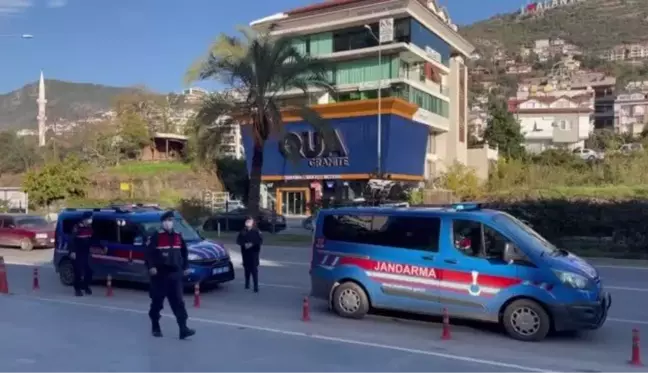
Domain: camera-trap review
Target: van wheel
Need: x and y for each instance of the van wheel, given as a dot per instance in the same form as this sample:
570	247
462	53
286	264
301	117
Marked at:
66	272
526	320
26	244
350	301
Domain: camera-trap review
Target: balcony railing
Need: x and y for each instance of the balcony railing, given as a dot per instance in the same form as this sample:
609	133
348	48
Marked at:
417	76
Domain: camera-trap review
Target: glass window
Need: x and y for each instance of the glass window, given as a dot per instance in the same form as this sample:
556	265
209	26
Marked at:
68	224
179	225
105	229
409	232
128	233
32	222
474	239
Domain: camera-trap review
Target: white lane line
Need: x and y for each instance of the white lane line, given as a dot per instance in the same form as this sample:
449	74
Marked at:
303	335
626	288
621	267
627	321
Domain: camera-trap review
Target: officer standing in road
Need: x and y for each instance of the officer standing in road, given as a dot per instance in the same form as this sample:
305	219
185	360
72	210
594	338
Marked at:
80	254
250	240
167	259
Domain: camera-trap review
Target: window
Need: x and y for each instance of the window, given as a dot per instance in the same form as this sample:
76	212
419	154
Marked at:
128	233
32	222
179	225
105	229
474	239
68	225
409	232
7	222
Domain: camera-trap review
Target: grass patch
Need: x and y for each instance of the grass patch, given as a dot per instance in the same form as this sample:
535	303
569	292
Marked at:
148	168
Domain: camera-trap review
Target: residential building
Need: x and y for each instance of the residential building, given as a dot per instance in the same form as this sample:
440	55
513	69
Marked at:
627	52
477	121
631	112
556	118
604	91
232	142
419	68
519	69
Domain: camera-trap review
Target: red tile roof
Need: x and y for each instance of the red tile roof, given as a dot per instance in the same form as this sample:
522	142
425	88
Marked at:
320	6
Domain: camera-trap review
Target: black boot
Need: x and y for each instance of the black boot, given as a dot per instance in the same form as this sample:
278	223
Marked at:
78	293
88	291
185	332
155	330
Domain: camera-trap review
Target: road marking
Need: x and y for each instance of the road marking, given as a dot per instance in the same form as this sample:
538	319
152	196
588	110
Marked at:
302	335
622	267
627	321
625	288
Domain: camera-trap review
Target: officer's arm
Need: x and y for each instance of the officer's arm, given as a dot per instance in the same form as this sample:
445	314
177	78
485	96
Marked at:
260	242
239	239
185	253
151	247
72	240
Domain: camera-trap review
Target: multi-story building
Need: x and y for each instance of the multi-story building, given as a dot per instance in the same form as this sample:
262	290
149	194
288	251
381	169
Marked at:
627	52
631	112
232	142
555	118
477	121
604	95
412	131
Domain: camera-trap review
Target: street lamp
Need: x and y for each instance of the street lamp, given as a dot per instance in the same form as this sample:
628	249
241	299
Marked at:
379	99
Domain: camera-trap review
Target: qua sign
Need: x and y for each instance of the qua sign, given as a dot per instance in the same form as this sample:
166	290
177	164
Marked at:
311	146
540	6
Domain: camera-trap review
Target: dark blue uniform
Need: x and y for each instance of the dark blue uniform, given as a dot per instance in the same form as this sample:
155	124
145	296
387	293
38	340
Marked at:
82	240
250	254
167	252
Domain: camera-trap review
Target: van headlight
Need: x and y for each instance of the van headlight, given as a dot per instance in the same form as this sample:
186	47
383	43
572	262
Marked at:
193	257
572	279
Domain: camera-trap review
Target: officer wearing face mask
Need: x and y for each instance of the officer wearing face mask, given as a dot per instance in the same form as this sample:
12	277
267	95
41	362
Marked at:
80	254
167	260
250	240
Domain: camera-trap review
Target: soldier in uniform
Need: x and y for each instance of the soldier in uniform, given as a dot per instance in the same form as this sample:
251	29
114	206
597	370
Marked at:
80	254
250	240
167	259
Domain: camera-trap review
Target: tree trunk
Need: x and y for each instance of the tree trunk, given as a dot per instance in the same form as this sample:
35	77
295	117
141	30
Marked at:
254	191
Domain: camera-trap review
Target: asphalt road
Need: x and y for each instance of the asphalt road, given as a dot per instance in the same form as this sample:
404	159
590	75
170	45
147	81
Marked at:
50	330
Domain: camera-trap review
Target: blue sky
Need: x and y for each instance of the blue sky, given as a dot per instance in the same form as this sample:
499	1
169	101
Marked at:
139	42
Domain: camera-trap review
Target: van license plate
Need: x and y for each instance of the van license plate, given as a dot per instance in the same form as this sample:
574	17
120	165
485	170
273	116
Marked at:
217	271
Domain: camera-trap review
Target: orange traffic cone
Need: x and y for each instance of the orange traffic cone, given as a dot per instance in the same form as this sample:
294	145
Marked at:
197	295
306	310
446	325
109	289
635	359
4	284
36	283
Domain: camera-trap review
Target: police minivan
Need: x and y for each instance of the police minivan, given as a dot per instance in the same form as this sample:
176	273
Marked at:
475	263
120	234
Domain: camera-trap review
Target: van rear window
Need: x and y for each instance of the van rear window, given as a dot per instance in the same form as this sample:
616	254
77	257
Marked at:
409	232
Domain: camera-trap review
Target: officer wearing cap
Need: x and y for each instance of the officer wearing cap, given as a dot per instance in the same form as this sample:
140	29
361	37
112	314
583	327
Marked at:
80	254
167	259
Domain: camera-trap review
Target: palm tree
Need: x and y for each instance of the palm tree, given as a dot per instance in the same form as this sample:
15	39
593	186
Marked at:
256	68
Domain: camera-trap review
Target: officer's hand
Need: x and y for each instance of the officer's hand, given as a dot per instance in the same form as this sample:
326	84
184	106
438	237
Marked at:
73	256
153	271
187	272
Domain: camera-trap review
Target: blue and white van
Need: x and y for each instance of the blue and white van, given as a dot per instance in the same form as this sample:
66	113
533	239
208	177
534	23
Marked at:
120	234
475	263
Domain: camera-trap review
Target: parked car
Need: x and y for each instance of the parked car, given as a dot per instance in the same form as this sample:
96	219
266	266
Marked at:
234	220
588	154
631	147
25	231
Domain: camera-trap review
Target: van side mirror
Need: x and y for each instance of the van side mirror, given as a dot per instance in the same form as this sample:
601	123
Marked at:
512	254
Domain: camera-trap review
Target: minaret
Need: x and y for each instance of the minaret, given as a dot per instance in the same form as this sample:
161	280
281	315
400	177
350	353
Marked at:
42	104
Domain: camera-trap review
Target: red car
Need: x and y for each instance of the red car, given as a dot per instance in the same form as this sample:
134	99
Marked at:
25	231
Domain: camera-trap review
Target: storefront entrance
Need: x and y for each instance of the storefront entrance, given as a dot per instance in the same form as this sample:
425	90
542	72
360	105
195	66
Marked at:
293	201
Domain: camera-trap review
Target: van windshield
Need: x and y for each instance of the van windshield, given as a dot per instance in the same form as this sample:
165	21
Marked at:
179	225
546	246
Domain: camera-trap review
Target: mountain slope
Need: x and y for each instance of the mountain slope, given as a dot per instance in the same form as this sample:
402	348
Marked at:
593	24
66	101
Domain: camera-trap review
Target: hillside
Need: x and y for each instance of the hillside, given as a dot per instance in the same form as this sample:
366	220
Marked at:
66	101
593	25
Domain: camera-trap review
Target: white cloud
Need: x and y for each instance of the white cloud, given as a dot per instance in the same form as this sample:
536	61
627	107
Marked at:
10	7
56	3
